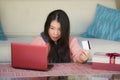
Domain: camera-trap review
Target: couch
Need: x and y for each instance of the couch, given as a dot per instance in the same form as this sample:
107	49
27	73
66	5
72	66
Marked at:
22	21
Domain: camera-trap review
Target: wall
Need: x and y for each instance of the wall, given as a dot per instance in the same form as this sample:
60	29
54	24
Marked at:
27	17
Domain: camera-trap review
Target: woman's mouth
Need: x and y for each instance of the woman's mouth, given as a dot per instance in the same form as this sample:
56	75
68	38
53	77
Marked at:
55	38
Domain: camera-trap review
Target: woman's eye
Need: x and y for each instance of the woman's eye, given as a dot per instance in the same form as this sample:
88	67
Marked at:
51	28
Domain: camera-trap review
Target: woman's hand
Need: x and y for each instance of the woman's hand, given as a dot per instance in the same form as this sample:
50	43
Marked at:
84	56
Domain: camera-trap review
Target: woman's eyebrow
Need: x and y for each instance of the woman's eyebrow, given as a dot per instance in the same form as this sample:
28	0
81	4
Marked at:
51	26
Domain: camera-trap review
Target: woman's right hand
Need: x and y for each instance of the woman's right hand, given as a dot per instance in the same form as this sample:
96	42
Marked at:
84	56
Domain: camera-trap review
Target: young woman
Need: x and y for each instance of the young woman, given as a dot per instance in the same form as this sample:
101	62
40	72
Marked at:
63	48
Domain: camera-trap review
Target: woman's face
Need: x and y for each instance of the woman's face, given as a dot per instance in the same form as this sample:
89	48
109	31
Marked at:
54	30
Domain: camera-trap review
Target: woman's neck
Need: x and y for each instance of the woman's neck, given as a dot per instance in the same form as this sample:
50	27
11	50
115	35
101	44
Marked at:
56	42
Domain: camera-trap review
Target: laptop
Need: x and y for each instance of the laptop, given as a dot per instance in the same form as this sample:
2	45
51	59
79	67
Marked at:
29	56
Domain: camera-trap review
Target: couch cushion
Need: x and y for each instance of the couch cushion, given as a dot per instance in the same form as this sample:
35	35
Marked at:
2	35
106	24
101	45
5	47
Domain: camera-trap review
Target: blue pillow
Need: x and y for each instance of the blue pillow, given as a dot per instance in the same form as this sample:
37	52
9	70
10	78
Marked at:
106	24
2	35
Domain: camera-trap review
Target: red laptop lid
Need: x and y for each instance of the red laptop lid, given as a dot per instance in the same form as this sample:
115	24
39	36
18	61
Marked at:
29	56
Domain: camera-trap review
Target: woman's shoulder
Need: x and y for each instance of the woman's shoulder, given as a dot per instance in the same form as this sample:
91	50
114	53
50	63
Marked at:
42	39
38	41
38	38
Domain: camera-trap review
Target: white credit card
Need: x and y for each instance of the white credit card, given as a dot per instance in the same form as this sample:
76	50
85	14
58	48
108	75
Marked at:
86	45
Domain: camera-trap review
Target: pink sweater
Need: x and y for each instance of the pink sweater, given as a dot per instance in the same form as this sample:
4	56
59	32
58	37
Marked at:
75	48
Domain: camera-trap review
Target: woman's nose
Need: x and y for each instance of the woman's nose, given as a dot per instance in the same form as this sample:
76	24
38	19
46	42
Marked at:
55	32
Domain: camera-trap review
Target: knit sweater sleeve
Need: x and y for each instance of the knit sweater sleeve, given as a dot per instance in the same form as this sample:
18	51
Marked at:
75	49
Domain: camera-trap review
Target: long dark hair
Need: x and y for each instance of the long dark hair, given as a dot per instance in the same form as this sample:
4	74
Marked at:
59	53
